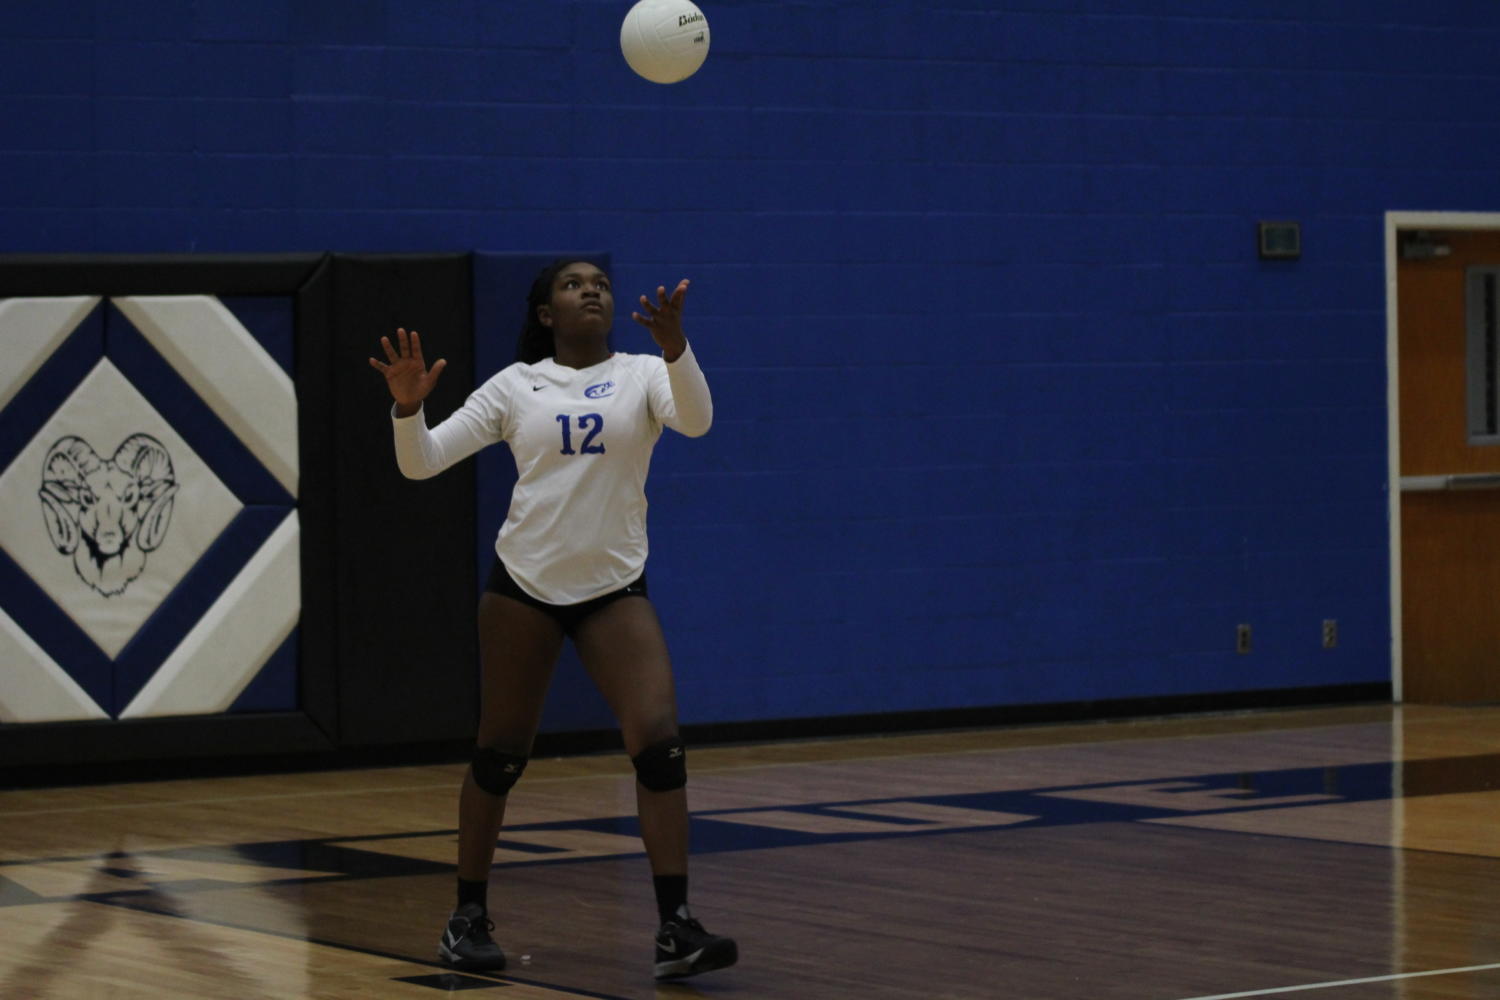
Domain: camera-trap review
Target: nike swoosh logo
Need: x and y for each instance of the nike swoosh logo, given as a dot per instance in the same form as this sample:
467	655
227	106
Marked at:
538	388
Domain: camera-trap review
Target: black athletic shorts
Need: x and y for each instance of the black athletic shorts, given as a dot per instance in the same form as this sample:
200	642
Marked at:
566	615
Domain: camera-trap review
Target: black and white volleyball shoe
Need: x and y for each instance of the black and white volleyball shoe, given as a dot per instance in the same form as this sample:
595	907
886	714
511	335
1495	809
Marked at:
684	948
467	944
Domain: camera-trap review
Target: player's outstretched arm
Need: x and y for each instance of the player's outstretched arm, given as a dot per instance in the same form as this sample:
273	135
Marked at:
685	404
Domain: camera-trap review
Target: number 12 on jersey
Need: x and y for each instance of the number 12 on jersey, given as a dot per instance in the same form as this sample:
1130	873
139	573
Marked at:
593	423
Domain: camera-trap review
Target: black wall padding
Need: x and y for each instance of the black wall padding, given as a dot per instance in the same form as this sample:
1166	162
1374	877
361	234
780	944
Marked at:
403	555
317	510
154	274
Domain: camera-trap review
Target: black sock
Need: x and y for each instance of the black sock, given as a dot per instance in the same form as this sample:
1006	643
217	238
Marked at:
671	892
473	892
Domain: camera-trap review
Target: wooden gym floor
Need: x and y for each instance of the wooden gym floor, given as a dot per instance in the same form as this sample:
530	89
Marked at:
1331	854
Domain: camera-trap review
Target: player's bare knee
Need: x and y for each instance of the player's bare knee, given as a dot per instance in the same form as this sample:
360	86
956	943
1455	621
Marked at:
662	766
496	771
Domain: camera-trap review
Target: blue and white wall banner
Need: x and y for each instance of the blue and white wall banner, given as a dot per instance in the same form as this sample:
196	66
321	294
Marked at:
130	508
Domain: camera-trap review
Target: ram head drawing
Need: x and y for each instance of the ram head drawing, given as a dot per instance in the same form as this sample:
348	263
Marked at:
107	513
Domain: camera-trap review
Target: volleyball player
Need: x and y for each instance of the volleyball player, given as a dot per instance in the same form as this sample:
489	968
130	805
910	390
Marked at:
581	422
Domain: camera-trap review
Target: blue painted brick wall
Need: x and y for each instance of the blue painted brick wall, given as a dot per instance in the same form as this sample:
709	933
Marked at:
1008	411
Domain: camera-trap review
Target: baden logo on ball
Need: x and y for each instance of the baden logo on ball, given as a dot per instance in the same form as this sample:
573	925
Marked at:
664	41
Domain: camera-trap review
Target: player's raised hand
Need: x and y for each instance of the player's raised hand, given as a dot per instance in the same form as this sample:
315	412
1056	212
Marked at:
406	373
664	319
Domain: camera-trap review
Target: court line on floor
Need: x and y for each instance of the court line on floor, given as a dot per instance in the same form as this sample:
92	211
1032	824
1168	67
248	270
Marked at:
1349	982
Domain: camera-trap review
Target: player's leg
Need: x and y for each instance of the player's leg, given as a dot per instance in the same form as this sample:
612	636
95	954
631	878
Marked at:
623	649
518	647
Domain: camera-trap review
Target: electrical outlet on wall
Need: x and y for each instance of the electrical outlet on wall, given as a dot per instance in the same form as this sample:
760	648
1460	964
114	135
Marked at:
1242	639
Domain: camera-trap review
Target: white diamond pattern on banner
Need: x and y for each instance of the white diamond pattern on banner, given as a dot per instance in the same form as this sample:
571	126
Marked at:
108	508
33	688
224	363
30	330
233	640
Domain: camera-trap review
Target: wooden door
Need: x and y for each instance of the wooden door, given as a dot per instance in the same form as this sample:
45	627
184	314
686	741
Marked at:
1450	510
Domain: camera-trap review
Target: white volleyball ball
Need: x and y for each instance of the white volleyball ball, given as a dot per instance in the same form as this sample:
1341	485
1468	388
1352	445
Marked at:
664	40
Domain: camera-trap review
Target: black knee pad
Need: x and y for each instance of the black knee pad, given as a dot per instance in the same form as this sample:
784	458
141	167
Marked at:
662	766
495	772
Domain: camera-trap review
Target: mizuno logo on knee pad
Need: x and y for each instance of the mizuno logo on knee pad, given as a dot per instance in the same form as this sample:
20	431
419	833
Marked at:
496	772
662	767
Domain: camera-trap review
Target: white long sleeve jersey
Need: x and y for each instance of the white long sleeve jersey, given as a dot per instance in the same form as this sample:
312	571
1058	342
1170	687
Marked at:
582	440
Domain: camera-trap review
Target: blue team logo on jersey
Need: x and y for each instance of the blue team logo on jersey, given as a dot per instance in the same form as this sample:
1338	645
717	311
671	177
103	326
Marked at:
600	390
